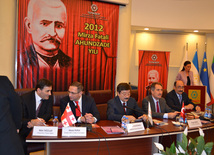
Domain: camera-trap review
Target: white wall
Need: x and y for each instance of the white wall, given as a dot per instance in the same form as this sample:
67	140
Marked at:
7	38
177	14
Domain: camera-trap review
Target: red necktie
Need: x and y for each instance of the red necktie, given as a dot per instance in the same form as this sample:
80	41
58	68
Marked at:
78	113
157	106
38	108
124	108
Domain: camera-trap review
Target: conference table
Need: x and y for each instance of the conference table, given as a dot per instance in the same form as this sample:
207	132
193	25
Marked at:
98	141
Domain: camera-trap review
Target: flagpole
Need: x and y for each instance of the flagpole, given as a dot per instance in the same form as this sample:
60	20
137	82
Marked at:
205	46
196	46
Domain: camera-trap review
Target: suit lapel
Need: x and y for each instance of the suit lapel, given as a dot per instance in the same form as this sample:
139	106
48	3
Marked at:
119	106
84	106
177	100
152	103
32	104
73	108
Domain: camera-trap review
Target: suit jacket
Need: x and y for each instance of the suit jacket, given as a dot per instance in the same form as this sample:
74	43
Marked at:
163	106
183	77
115	109
10	119
29	110
88	106
174	103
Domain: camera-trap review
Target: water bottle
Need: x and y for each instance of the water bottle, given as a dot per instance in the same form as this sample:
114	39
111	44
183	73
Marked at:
209	113
206	113
55	121
124	122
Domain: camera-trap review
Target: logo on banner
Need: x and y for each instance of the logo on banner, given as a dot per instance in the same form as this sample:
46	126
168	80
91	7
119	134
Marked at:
93	13
94	7
154	57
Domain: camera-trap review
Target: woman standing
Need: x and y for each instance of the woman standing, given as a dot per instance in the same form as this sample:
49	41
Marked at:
186	75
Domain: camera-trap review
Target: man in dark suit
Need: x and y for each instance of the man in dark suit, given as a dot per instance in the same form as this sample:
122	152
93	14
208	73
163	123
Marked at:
177	96
158	104
83	107
116	106
10	119
37	107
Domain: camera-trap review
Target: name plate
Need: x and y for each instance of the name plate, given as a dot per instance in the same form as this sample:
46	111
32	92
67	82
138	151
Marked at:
194	123
133	127
74	131
45	131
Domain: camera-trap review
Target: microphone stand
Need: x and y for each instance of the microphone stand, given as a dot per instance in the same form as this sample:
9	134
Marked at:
139	120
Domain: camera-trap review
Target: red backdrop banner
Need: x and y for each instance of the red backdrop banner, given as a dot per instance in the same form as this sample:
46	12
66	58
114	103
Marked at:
153	67
86	44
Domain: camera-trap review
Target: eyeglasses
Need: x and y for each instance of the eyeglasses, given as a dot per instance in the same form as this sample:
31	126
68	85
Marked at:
72	93
126	94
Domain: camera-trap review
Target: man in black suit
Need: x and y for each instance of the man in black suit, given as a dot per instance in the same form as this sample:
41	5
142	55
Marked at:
116	106
83	107
37	107
158	104
10	119
177	96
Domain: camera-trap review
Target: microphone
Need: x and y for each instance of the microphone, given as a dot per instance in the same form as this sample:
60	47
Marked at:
139	120
87	125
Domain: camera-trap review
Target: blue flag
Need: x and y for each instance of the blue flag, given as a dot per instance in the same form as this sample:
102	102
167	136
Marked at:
204	77
195	69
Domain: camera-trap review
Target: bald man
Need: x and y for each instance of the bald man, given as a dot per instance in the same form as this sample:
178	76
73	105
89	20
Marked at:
46	22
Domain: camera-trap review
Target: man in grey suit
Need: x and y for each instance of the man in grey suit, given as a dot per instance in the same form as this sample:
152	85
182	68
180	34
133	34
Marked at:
158	104
123	104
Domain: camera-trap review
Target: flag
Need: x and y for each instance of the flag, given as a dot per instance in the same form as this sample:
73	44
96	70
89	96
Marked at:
68	118
204	78
195	69
211	80
184	59
150	114
182	112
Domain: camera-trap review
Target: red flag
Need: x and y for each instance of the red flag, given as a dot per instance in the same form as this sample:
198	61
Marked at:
182	112
67	117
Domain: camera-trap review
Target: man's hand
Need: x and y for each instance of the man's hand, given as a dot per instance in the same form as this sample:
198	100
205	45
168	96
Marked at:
88	118
144	117
172	114
198	109
189	107
36	122
130	118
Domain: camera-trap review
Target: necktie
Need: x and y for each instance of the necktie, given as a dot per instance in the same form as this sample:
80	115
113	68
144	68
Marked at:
157	106
37	110
78	113
180	98
124	108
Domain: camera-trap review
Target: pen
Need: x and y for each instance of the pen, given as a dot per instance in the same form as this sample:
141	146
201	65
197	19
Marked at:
110	129
41	121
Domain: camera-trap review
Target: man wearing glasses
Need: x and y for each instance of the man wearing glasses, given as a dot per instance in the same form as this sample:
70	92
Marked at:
83	107
124	105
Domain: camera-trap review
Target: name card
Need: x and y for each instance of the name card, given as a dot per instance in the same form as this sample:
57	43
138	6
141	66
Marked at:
194	123
133	127
45	131
74	131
